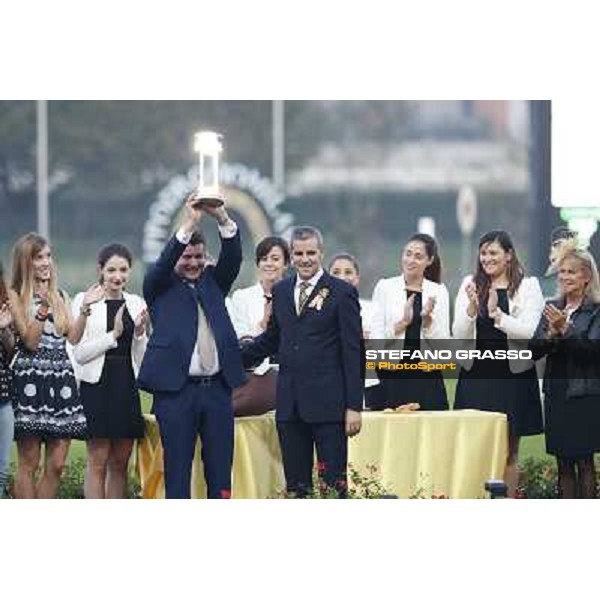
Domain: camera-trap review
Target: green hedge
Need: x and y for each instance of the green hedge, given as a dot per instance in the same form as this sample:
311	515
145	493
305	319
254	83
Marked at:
538	480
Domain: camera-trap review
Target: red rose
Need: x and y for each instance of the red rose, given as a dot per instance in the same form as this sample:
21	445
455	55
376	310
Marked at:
225	494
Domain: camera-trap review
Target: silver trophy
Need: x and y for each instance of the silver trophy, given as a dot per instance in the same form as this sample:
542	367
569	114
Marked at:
209	147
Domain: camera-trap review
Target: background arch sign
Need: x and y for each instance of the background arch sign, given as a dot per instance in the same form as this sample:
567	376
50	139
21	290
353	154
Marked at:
249	194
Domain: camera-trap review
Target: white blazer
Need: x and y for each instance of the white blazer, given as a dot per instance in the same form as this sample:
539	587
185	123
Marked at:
366	314
389	298
89	353
246	309
525	310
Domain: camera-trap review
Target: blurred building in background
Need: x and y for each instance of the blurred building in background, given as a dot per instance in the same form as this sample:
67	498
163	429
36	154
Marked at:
364	172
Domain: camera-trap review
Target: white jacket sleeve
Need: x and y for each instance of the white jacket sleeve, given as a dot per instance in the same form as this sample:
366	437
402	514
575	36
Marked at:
522	324
378	320
383	323
463	327
241	315
138	344
91	346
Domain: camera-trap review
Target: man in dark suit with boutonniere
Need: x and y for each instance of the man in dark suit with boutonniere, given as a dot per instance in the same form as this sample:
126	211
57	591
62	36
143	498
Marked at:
192	360
315	329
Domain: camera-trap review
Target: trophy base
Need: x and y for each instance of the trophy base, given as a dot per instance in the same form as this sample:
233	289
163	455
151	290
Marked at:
210	200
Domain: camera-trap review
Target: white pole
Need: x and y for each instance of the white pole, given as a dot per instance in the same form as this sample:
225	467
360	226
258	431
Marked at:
43	220
278	131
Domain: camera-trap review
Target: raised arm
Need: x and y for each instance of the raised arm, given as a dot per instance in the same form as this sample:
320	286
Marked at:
523	325
77	322
90	346
7	338
29	330
266	344
158	276
463	327
230	257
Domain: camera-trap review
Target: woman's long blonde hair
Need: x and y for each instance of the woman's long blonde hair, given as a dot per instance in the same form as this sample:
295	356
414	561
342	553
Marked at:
24	251
569	248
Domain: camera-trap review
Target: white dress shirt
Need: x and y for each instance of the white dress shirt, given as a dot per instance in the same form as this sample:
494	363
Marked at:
312	282
228	230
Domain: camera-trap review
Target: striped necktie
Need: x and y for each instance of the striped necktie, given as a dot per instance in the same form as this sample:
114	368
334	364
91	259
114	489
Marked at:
303	297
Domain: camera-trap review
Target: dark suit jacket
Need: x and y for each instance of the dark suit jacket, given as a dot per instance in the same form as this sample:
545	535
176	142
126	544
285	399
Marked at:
319	351
173	307
574	355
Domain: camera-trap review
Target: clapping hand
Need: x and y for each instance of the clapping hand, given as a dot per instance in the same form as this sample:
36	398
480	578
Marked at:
268	311
93	294
473	307
118	326
427	312
141	322
556	318
6	317
44	302
492	304
407	317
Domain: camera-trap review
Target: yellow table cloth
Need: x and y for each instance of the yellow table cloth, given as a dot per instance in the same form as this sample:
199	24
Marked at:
419	454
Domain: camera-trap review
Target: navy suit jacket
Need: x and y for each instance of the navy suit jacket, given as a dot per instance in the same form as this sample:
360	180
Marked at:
319	351
173	307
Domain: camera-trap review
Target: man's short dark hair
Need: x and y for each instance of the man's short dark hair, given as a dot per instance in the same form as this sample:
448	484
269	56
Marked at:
197	238
305	232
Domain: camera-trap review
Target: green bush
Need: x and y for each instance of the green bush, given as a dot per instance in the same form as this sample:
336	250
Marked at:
538	478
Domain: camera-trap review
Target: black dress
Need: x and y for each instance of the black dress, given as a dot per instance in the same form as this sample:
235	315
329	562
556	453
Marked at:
46	401
112	406
404	387
490	385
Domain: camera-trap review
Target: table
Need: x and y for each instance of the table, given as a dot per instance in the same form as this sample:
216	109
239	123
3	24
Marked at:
418	454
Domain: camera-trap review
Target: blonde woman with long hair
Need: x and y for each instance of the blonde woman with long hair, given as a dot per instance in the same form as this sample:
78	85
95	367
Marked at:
568	334
47	407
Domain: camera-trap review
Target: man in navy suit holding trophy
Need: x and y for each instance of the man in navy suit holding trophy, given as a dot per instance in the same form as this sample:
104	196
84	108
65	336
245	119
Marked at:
192	361
315	329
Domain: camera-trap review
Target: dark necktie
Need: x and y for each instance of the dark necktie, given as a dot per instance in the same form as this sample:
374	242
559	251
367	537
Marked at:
303	297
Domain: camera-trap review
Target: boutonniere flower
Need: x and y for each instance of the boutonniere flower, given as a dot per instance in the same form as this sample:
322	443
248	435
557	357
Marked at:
317	301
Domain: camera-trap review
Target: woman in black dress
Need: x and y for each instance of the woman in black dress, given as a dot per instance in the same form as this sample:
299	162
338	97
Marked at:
411	309
568	334
498	309
107	362
346	267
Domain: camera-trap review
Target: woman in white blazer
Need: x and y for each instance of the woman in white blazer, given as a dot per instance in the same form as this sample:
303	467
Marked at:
346	267
250	310
498	309
412	309
107	361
